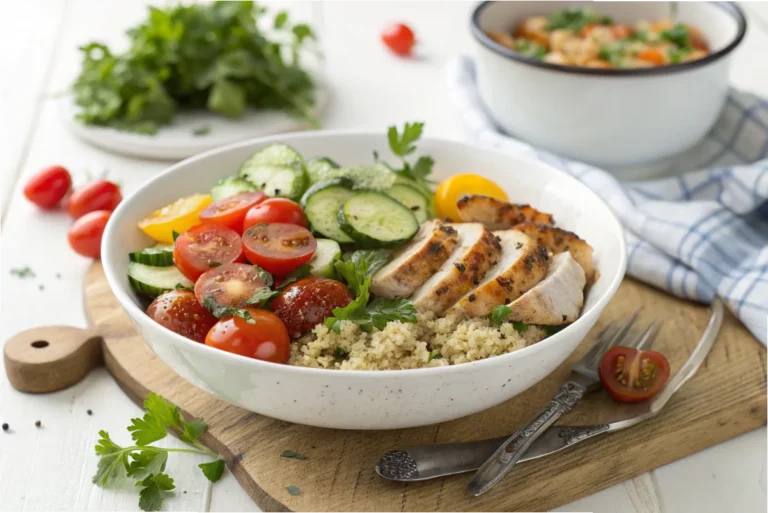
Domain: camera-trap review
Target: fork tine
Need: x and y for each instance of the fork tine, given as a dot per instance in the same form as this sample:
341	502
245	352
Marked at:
604	335
600	348
648	337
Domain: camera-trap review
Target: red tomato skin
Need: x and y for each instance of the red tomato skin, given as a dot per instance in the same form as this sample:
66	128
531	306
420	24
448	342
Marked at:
229	284
266	339
278	248
231	211
193	259
308	302
47	188
180	312
276	210
399	38
95	195
624	393
85	234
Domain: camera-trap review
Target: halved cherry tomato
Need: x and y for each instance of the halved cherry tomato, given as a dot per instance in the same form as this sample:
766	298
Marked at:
48	187
205	246
631	376
180	312
399	38
95	195
454	188
229	284
279	248
308	302
652	56
231	211
179	216
276	210
85	234
264	337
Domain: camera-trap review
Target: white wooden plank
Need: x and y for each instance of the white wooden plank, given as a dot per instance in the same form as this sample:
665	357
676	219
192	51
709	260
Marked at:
614	499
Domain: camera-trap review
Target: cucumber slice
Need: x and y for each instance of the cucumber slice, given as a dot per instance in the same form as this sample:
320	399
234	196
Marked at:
375	220
159	255
316	167
327	252
229	186
273	155
322	202
153	281
413	199
289	182
376	177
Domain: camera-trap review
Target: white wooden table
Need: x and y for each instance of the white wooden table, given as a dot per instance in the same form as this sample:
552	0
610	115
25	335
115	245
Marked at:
50	468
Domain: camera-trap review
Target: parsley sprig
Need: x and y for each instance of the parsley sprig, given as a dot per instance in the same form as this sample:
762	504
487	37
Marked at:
499	315
403	144
145	464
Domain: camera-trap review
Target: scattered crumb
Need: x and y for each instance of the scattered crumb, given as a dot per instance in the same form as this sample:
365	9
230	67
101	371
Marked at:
5	426
89	412
38	423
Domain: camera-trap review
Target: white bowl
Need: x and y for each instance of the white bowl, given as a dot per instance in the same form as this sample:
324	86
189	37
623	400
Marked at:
612	118
370	399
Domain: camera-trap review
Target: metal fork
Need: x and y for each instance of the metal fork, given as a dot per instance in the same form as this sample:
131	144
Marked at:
585	376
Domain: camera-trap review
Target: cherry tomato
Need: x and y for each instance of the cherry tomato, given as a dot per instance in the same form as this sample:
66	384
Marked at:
229	284
48	187
454	188
308	302
631	376
399	38
95	195
85	234
205	246
231	211
179	216
276	210
264	338
278	248
180	312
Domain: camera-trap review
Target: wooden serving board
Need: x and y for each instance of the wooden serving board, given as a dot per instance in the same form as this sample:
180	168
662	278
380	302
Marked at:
725	398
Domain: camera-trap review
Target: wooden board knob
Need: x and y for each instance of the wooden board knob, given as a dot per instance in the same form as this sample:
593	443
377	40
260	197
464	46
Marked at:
50	358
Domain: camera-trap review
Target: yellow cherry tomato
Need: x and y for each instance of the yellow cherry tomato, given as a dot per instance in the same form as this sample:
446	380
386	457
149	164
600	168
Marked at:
454	188
179	216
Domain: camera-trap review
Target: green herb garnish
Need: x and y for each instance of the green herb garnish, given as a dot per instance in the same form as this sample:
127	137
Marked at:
402	145
340	352
679	36
22	272
676	55
613	53
434	355
202	130
499	313
293	490
145	464
302	272
201	56
575	18
222	311
529	48
179	286
294	455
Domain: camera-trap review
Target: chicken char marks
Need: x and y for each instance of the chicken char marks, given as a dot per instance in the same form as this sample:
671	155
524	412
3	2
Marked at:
497	214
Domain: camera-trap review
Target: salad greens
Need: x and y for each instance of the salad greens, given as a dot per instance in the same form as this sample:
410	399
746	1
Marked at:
205	55
145	464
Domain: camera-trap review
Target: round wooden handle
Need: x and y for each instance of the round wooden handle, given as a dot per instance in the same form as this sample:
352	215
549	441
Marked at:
50	358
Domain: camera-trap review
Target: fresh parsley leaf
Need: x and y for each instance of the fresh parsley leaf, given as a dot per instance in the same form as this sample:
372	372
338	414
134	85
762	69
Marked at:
293	490
613	53
520	327
499	313
213	470
403	144
152	427
280	19
376	314
302	272
434	355
147	463
113	463
293	454
175	235
530	48
340	352
639	36
202	130
678	35
575	18
353	272
372	259
676	55
156	488
179	286
422	168
262	297
192	431
268	280
222	311
22	272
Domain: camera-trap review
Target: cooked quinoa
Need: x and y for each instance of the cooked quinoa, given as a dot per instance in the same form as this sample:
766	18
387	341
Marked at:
429	342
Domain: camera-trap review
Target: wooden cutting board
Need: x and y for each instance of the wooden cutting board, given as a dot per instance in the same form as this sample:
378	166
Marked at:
725	398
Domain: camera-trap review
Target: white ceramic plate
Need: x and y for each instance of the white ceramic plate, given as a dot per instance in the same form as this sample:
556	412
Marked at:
178	140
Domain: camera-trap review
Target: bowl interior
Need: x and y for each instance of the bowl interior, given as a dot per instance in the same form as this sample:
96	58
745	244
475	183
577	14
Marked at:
574	206
714	19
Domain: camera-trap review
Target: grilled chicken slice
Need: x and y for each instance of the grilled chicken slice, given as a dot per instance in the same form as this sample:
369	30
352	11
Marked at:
476	252
416	262
496	214
523	264
557	299
557	241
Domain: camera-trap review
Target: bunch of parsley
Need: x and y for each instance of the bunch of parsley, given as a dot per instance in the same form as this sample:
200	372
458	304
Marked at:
201	56
144	463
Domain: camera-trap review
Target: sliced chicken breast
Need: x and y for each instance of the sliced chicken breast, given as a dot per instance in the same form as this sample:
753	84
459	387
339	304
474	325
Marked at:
476	252
496	214
410	267
557	241
557	299
523	264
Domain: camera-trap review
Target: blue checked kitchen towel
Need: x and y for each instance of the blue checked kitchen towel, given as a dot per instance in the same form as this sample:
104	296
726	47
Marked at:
697	235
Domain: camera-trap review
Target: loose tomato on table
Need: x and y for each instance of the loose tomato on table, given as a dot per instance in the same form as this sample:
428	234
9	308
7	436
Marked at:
263	337
230	284
276	210
399	38
452	189
205	246
231	211
308	302
279	248
179	216
85	234
95	195
180	312
47	188
631	376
